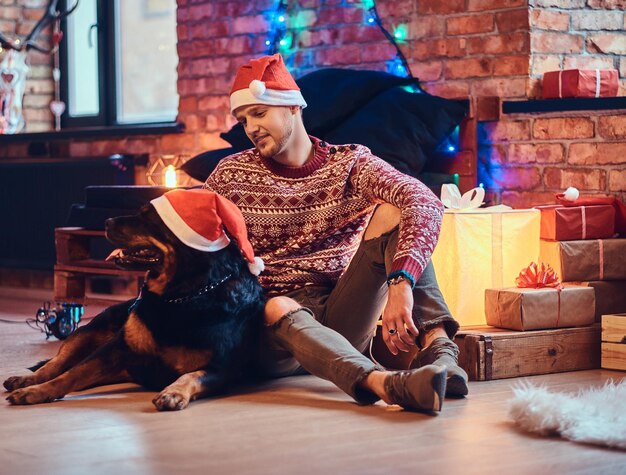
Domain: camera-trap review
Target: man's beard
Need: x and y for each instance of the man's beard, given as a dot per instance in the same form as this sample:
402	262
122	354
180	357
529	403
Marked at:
280	144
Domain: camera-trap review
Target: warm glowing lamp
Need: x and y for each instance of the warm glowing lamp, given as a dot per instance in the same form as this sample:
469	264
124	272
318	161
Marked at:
165	171
170	177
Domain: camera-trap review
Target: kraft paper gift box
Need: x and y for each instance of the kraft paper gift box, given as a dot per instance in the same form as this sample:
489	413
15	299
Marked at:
537	309
598	259
610	295
580	83
480	249
568	223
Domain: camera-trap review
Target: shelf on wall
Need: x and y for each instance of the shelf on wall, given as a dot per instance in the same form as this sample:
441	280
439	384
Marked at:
564	105
96	132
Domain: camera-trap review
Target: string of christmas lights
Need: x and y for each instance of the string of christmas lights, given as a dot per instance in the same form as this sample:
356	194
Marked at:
398	65
280	36
277	38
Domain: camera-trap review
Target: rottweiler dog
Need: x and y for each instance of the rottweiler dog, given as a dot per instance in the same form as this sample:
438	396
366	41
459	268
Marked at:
192	330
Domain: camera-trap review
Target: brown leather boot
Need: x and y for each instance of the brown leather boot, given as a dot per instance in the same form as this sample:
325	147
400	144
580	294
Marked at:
444	352
419	389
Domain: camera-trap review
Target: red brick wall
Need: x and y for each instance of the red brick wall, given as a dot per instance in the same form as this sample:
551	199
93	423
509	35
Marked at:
525	160
569	34
457	47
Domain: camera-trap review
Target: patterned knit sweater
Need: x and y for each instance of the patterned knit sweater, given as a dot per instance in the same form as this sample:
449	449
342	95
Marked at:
306	223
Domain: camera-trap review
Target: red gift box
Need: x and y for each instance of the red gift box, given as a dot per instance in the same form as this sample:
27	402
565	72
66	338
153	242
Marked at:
571	223
580	83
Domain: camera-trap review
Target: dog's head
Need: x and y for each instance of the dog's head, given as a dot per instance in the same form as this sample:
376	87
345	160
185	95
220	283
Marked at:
182	236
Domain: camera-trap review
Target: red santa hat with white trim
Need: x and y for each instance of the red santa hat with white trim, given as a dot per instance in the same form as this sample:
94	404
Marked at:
201	219
265	81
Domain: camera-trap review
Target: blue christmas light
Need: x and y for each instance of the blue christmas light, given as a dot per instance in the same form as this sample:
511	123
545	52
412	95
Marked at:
278	39
396	67
278	28
399	65
450	144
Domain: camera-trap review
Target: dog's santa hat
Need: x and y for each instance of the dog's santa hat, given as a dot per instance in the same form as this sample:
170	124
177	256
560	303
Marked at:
265	81
200	219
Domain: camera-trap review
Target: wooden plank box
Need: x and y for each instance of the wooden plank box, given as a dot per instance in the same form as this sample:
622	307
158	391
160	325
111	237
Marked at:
75	264
614	341
488	353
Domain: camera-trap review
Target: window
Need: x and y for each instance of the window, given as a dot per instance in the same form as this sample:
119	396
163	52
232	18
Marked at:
118	63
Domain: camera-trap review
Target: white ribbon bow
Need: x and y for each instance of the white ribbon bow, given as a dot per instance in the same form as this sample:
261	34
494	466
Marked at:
452	199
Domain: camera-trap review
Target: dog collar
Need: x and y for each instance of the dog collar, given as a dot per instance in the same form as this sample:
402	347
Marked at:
202	291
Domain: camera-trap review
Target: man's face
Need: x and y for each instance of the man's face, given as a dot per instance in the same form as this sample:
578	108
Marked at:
268	127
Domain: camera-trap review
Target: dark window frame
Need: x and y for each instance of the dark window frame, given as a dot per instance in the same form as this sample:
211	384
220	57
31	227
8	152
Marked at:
107	73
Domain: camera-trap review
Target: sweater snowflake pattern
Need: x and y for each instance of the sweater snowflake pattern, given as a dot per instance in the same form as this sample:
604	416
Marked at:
306	223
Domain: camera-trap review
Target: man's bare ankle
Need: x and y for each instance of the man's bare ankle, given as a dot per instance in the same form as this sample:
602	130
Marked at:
375	382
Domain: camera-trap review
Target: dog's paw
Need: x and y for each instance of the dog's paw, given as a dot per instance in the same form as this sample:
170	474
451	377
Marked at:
29	395
17	382
169	400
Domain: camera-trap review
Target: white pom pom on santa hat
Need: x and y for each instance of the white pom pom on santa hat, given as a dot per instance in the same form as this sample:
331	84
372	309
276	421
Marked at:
257	88
257	266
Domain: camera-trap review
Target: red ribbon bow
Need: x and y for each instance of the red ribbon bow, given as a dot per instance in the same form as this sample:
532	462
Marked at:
536	277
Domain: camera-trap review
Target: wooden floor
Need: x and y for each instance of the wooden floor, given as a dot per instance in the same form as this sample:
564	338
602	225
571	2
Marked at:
296	425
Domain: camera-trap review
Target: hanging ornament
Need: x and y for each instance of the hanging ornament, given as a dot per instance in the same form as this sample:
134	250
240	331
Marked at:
57	106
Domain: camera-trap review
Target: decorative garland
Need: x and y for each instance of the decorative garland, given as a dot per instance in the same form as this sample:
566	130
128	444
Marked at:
277	38
280	37
398	65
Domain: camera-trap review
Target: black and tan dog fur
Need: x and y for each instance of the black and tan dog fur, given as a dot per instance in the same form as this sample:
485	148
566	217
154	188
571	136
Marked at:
181	337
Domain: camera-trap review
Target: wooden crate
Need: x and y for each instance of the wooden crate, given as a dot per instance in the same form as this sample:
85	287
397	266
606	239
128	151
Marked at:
488	353
491	353
74	265
614	341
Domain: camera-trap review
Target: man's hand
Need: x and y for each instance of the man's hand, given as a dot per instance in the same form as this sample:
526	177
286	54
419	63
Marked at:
397	316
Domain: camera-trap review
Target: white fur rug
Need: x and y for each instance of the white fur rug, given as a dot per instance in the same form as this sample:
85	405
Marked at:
593	416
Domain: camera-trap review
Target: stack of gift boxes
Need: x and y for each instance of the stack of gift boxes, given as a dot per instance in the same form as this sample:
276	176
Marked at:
580	244
577	274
